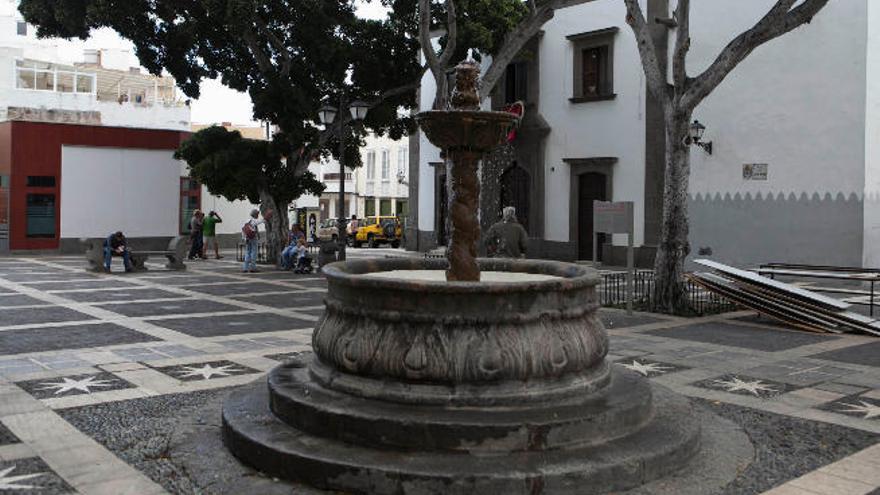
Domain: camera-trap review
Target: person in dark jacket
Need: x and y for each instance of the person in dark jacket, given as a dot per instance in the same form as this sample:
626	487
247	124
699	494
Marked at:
196	235
507	238
116	245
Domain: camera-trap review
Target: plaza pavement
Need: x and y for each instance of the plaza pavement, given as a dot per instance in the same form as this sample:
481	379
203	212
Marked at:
73	343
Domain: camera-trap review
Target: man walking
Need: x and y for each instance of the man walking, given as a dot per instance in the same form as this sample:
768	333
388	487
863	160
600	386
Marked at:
507	238
195	235
251	236
209	232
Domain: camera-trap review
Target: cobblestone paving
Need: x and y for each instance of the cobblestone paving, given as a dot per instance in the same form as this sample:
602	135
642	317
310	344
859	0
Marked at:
74	341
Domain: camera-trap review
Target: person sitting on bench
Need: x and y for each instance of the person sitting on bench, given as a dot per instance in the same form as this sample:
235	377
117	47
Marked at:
116	245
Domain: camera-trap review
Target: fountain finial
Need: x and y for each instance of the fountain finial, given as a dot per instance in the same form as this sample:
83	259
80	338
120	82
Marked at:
466	94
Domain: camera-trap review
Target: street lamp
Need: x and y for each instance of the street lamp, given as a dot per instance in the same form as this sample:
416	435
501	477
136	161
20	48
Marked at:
695	135
327	114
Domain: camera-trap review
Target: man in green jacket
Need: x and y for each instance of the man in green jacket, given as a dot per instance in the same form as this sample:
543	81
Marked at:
209	231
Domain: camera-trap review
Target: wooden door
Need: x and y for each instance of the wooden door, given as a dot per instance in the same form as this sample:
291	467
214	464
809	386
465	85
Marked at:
591	186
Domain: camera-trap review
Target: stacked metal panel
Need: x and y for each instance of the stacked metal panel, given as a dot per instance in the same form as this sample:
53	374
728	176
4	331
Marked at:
793	305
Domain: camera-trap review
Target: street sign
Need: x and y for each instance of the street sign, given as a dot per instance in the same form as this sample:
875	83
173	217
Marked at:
613	217
616	217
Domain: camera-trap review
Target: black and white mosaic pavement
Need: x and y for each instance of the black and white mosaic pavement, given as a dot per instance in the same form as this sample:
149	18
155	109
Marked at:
205	370
120	357
31	475
73	385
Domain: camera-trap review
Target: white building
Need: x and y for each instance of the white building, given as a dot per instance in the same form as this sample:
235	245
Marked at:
378	187
85	130
803	107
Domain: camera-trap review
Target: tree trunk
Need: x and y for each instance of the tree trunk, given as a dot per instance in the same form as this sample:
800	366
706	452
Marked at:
277	226
441	99
669	288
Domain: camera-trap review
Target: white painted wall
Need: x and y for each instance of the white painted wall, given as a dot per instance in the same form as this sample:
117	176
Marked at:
797	103
108	189
612	128
871	241
428	153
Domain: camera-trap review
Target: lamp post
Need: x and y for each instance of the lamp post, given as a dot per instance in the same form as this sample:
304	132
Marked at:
695	136
327	114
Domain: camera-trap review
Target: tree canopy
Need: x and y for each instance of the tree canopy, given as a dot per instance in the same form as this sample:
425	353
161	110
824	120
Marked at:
215	155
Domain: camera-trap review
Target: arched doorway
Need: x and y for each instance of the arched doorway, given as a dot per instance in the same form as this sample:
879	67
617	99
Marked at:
591	186
515	189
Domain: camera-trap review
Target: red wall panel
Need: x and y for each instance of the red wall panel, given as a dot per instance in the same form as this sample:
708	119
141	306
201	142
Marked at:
36	150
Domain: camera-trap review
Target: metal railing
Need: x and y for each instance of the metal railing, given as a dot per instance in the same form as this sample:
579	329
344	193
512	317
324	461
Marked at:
612	293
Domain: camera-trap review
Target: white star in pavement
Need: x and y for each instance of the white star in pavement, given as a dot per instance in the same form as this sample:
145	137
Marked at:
646	368
207	371
869	410
753	387
10	482
69	384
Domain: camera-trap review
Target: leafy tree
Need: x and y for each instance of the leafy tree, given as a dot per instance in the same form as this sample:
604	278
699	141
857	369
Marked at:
215	155
289	55
679	98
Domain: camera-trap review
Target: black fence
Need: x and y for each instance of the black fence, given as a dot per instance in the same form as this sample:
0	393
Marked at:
612	293
265	253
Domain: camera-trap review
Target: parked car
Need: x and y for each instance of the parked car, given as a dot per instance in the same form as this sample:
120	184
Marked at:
327	230
379	230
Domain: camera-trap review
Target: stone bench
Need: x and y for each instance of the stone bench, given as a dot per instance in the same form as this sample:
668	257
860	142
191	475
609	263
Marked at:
175	253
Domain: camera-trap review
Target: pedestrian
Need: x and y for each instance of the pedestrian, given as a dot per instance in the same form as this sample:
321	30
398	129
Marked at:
250	234
209	232
116	245
195	235
287	255
507	238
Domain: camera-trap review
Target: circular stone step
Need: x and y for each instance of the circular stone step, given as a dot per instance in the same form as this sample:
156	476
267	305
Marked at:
257	437
618	410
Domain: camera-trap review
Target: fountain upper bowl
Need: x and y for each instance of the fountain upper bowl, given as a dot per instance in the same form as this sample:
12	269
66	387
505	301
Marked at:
466	130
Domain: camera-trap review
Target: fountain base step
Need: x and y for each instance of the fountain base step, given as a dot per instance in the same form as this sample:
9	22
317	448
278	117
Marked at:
617	410
255	435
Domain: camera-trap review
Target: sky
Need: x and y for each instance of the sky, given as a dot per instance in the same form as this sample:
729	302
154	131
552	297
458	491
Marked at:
217	103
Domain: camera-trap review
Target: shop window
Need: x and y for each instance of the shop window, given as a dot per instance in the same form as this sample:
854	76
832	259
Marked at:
385	207
190	201
370	207
41	181
593	65
40	216
402	208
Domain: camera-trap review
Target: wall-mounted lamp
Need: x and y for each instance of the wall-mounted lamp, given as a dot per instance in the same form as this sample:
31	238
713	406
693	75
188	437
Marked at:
401	178
696	136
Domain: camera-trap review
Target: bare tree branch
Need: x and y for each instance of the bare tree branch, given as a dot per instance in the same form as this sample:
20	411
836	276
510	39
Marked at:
277	44
451	34
779	20
654	73
682	45
256	50
515	41
425	37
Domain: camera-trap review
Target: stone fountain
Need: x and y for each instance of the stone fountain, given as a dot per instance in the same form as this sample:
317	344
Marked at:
461	386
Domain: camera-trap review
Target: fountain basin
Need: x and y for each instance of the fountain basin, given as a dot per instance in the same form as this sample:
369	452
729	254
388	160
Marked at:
425	386
438	333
